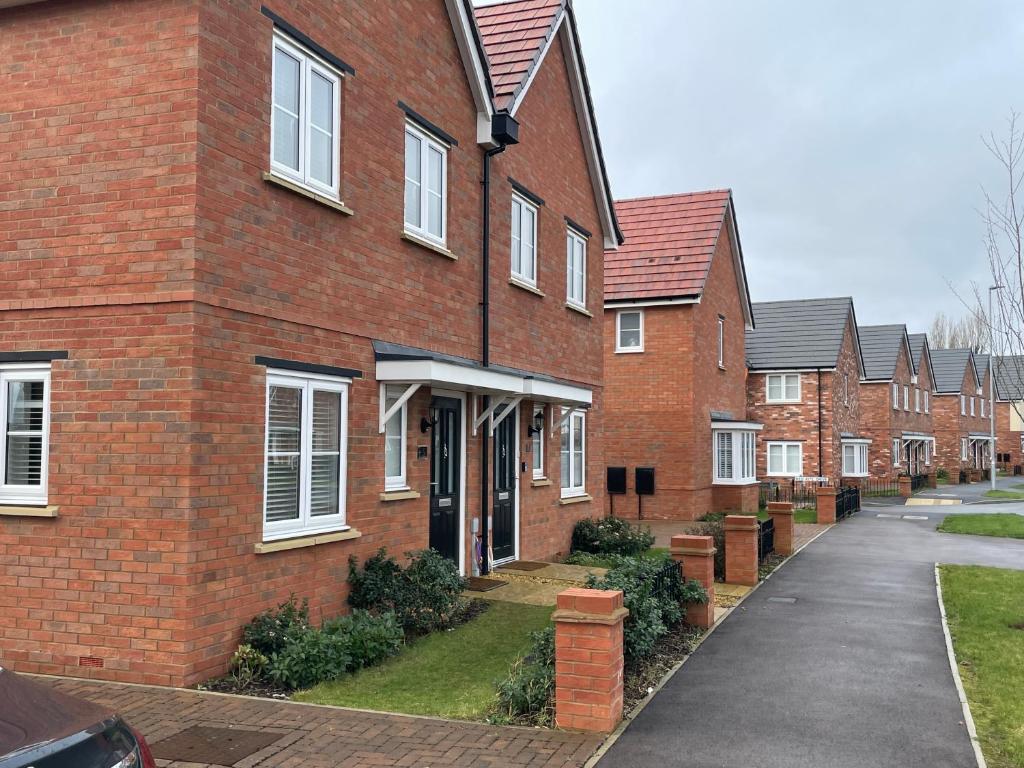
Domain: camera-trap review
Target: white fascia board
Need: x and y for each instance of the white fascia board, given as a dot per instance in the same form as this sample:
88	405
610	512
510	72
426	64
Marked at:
555	29
475	67
734	426
762	371
438	373
553	392
630	303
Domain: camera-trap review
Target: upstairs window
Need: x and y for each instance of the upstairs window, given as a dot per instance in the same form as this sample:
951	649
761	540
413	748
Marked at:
972	406
629	331
927	405
906	397
573	450
426	185
721	342
304	127
25	426
524	241
782	387
576	269
963	405
895	396
917	400
983	408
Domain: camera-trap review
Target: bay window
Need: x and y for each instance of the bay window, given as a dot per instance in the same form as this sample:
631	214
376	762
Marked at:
855	458
25	426
734	456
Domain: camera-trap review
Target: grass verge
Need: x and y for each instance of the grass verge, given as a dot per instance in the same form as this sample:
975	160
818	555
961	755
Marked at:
1007	526
985	609
1000	493
447	674
805	516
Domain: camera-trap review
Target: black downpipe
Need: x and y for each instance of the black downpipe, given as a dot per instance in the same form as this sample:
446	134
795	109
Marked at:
485	354
821	471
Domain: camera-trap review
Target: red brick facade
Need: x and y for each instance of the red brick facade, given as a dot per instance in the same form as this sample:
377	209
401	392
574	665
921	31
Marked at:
953	427
150	248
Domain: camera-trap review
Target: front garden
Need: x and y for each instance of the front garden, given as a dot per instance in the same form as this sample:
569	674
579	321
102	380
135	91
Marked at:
1009	526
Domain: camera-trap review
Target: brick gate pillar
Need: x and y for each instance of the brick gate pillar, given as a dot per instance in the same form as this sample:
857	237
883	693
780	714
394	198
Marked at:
933	479
741	549
697	555
588	659
781	513
826	505
905	487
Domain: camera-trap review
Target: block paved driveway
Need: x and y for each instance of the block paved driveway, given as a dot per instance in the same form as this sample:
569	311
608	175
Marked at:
315	737
854	674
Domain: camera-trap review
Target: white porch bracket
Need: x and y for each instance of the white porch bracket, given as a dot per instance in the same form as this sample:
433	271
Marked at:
402	400
501	417
478	419
557	426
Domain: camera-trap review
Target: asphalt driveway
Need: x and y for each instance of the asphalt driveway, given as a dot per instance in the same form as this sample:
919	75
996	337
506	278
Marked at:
838	661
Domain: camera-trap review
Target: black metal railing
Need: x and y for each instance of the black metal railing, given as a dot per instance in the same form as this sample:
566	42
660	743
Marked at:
667	580
765	539
917	482
879	486
847	501
802	494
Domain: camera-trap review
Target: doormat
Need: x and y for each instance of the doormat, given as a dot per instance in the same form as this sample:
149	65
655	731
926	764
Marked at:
219	746
481	584
525	565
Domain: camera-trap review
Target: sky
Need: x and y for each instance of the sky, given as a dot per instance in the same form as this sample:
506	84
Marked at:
849	132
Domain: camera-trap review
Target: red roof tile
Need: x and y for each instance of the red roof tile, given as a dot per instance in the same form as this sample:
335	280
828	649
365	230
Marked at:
514	35
668	248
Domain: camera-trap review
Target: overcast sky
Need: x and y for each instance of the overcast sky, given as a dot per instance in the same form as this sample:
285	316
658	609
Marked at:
849	132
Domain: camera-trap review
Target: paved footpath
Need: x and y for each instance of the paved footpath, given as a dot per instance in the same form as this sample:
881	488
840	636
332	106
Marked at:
318	737
853	674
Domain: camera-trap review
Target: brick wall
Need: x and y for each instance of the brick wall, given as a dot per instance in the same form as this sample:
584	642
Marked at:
952	426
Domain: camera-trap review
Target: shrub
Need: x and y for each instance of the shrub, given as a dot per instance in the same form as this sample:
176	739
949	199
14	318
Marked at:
610	535
715	528
370	638
268	632
248	665
424	596
309	657
942	474
527	693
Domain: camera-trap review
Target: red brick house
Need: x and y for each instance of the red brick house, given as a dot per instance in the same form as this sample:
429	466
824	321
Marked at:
896	402
252	325
961	411
676	311
1009	391
805	365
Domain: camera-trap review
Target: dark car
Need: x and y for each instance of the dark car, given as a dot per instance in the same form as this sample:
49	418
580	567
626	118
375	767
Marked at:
44	728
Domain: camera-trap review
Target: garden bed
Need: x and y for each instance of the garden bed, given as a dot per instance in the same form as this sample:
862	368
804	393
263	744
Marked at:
642	676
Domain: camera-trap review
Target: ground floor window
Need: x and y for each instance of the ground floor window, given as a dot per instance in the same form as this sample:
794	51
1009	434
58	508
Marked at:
573	451
733	452
963	449
537	442
25	426
394	439
897	450
785	458
855	458
307	427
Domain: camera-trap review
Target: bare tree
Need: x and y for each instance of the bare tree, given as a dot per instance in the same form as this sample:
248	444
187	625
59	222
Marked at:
970	331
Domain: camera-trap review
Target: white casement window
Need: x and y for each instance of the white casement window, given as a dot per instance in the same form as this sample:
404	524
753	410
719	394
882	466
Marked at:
895	396
25	426
927	404
782	388
963	405
917	400
785	459
721	342
963	449
734	456
573	452
575	269
972	406
537	442
897	449
927	452
395	430
305	472
629	331
906	397
426	185
855	459
524	241
305	122
983	408
846	389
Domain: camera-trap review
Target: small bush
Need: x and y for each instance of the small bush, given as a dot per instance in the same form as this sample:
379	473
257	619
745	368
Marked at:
248	666
424	596
309	657
268	633
610	535
370	639
942	474
526	695
716	530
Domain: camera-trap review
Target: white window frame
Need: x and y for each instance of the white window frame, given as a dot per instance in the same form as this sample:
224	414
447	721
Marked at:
577	485
721	342
927	402
309	63
895	396
972	405
906	398
983	408
783	378
306	524
537	445
917	399
397	482
743	450
785	445
30	495
523	204
572	239
618	331
860	465
963	405
846	389
963	449
897	452
427	142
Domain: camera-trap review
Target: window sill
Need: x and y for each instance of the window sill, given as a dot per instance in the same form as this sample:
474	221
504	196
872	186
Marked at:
13	511
422	242
399	494
628	351
783	402
735	483
526	287
540	482
298	189
265	547
575	499
578	308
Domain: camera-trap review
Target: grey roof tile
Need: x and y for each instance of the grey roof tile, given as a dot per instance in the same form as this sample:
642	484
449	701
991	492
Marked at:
880	345
805	333
1009	377
949	366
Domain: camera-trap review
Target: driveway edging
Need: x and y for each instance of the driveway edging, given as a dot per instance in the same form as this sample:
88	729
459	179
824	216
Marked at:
972	731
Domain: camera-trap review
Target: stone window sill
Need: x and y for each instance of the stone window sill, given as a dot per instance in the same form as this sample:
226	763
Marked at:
578	308
298	189
540	482
13	511
265	547
399	494
575	499
526	287
422	242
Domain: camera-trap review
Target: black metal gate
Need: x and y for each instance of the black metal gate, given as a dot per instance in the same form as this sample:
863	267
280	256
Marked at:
765	539
847	501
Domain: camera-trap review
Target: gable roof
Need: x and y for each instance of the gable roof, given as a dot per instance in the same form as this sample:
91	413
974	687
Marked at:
1009	370
881	346
800	334
981	364
921	354
515	36
670	242
950	366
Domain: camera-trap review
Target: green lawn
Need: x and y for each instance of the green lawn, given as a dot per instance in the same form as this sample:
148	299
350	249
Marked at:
985	608
805	516
1006	525
448	674
999	493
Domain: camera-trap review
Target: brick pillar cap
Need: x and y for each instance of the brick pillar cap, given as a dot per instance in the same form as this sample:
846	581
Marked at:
826	490
784	507
740	522
592	601
693	545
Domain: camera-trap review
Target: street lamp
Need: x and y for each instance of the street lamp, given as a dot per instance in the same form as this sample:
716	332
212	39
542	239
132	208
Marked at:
991	390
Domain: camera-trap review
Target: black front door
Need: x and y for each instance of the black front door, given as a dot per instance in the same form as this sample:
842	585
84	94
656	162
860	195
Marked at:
445	447
503	534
